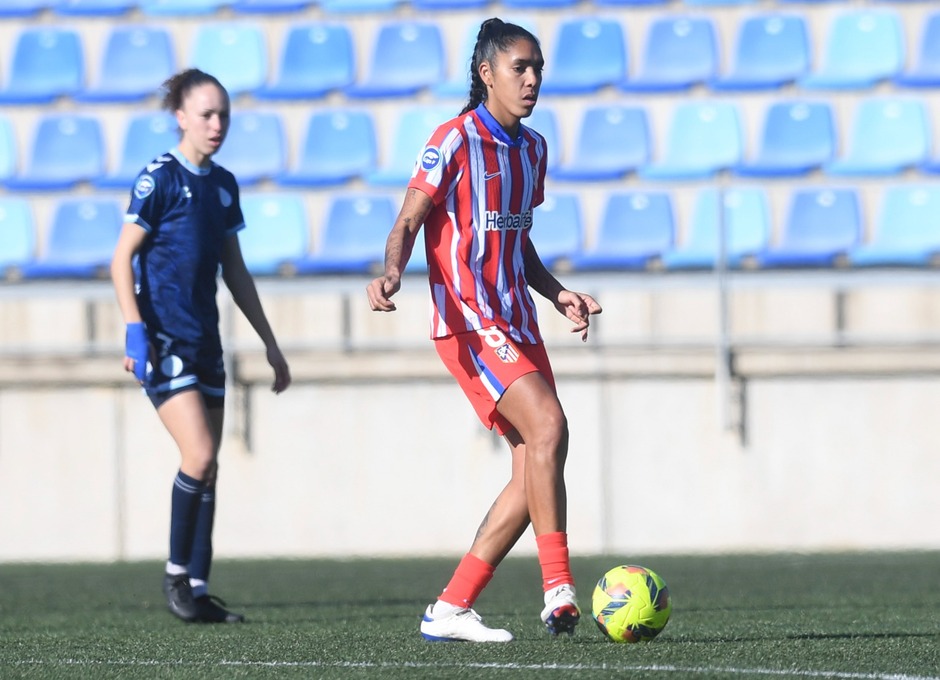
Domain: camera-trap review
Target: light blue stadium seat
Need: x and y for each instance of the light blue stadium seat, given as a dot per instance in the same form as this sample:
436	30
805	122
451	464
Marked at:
23	8
925	68
436	5
93	8
17	236
589	54
613	140
888	135
680	51
269	6
358	6
352	239
147	136
317	58
339	146
718	3
637	227
276	232
81	240
181	7
862	47
746	225
255	148
8	149
772	50
538	4
544	121
704	137
798	137
407	57
822	226
907	230
67	149
558	228
415	124
136	62
234	52
48	62
630	3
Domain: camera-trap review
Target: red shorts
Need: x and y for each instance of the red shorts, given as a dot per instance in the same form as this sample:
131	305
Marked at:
486	363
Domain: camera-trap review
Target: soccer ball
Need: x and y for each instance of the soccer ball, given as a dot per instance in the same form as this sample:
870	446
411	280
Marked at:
631	604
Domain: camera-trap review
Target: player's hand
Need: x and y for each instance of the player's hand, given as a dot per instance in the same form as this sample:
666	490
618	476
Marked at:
578	307
380	290
281	371
136	350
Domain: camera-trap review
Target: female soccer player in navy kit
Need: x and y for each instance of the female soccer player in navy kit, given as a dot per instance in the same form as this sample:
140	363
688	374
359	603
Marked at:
182	224
474	188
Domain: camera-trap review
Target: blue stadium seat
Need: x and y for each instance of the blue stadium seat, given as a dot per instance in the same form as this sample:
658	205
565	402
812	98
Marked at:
772	50
822	226
589	54
557	228
680	51
863	47
317	58
136	62
925	69
718	3
358	6
275	233
798	137
339	146
704	137
234	52
436	5
907	230
613	140
48	62
67	149
181	7
538	4
8	149
544	121
81	240
22	8
147	136
269	6
17	236
630	3
888	136
93	8
407	57
255	147
352	239
636	229
746	227
415	124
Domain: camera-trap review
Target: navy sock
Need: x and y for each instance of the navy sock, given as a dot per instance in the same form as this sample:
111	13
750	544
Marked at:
201	560
183	511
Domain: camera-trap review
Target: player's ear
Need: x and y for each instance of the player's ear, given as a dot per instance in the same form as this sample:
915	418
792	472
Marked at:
181	119
486	73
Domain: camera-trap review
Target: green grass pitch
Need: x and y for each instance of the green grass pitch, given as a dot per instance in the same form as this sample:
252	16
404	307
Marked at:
854	616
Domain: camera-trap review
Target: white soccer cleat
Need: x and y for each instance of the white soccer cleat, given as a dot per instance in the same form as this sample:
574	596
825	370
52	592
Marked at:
561	613
459	625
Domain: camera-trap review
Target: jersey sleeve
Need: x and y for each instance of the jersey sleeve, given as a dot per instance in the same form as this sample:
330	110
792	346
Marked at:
235	220
439	163
146	200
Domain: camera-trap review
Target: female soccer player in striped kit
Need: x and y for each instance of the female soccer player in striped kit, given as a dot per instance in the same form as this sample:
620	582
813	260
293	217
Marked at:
474	188
182	223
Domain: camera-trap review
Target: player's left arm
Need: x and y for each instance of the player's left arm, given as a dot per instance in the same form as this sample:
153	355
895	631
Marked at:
242	286
576	306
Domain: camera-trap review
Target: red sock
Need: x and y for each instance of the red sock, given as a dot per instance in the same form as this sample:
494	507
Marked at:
468	581
553	558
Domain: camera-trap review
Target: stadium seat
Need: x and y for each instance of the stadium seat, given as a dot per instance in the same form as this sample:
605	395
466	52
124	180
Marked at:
81	240
407	57
636	229
136	62
680	51
48	62
906	232
925	69
269	6
275	233
358	6
8	149
538	4
67	149
544	121
822	226
630	3
233	52
888	135
746	227
93	8
415	124
255	148
863	47
17	236
147	136
772	50
339	146
436	5
613	140
704	137
22	8
589	53
352	239
181	7
317	58
798	137
557	228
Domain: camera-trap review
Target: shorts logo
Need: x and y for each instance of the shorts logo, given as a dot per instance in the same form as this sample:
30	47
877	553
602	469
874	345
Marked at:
171	366
430	158
144	186
507	354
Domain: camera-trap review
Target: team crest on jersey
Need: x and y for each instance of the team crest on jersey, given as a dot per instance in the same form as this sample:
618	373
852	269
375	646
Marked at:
430	158
144	186
225	197
507	353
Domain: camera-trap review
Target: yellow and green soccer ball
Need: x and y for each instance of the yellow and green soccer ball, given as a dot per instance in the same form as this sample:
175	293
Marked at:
631	604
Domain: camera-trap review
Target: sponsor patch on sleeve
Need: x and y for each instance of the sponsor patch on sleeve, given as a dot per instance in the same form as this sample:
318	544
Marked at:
430	158
144	186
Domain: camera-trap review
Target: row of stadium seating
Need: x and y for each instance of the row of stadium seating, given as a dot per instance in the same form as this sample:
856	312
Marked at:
863	47
638	230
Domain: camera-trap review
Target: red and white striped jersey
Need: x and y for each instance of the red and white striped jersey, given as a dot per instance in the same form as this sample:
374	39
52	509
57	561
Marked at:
484	186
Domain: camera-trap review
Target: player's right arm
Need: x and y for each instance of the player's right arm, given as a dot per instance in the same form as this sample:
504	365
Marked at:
122	277
398	247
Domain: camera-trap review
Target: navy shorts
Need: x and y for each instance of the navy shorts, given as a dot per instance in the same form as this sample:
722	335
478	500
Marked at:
178	369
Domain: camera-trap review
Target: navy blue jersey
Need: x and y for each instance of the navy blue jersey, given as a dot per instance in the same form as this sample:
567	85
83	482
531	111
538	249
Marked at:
188	213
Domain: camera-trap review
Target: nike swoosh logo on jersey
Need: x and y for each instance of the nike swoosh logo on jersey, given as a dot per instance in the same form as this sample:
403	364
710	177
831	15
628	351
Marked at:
491	175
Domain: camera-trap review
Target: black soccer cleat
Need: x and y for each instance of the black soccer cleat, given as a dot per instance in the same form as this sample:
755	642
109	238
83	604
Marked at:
179	596
211	609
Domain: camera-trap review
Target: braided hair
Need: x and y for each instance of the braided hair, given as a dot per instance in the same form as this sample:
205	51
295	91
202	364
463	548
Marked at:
178	86
495	36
